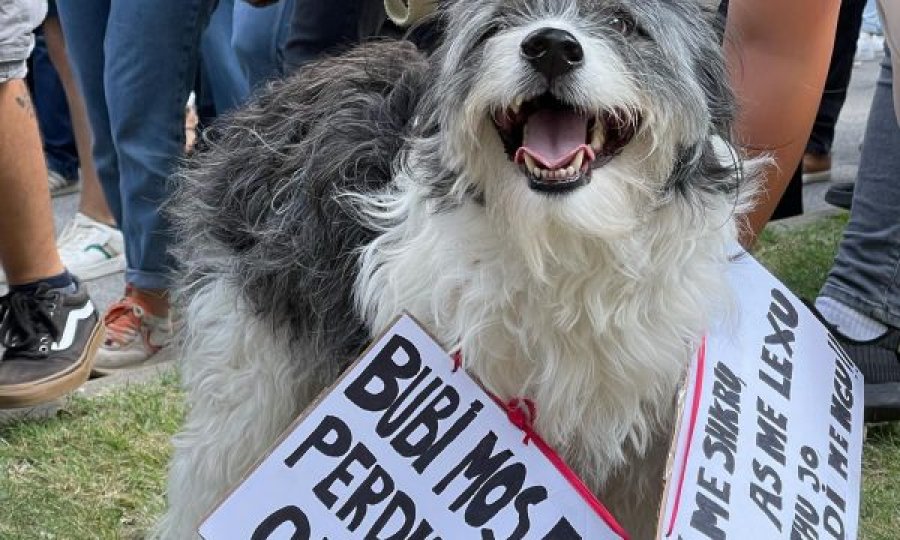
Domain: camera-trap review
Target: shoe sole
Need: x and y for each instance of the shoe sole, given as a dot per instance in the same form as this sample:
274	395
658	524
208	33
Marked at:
812	178
57	385
98	270
882	402
839	198
148	361
66	190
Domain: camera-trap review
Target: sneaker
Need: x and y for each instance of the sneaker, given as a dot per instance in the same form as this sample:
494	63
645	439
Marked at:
816	168
51	336
879	361
841	195
60	185
133	336
90	249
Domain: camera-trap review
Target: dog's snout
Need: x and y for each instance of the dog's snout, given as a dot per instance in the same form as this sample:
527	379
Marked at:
552	51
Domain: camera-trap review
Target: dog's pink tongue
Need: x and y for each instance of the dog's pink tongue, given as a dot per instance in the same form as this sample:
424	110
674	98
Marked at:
553	137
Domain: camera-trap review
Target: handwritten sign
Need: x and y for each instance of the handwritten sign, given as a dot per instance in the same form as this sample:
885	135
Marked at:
404	446
771	434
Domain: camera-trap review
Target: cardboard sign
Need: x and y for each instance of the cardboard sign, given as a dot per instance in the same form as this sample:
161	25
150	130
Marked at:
405	446
770	439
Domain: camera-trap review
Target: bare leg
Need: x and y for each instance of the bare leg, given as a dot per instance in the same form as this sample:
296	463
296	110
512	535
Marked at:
93	203
27	244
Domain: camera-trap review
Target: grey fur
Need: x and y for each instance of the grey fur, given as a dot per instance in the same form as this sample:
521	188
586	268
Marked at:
259	208
257	205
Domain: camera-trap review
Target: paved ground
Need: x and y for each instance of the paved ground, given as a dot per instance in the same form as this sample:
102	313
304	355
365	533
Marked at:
846	161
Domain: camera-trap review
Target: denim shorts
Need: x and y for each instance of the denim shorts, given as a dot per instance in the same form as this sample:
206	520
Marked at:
18	19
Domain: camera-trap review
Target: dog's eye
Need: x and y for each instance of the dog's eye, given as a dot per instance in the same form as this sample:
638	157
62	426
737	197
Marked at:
622	23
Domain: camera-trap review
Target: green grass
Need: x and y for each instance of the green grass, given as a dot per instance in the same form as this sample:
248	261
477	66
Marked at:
97	469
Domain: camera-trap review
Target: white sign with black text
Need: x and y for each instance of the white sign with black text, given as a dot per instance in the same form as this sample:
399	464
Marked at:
405	446
771	435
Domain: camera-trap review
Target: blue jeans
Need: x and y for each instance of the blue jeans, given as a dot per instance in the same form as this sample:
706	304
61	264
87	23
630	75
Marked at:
242	48
321	27
872	19
866	272
135	61
53	113
260	35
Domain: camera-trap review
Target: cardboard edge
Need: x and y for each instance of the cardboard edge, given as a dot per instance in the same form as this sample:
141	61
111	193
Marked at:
696	368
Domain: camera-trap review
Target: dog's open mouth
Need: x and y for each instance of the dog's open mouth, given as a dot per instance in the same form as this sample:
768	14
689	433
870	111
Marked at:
557	145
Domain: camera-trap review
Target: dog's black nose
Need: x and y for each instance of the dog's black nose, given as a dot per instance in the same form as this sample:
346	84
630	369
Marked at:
552	51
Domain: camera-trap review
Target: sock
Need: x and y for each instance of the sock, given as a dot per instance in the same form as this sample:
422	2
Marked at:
848	321
65	280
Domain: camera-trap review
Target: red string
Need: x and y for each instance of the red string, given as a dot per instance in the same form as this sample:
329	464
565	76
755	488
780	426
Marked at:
522	413
457	360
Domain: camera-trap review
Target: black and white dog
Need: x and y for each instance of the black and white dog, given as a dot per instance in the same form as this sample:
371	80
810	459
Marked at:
543	191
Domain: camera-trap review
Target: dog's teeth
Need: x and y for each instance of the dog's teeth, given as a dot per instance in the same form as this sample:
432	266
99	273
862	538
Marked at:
517	104
598	138
529	162
579	159
570	171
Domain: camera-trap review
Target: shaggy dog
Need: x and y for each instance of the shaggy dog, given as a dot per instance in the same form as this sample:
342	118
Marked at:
543	191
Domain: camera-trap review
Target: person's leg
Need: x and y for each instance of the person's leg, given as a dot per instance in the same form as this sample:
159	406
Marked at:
53	121
871	19
48	325
839	74
27	245
259	38
861	295
224	79
92	203
147	77
318	28
84	23
90	245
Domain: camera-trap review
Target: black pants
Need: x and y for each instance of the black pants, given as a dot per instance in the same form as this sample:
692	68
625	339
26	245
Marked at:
839	73
836	84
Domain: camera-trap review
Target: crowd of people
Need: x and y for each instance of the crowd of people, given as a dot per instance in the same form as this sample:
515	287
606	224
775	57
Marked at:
102	110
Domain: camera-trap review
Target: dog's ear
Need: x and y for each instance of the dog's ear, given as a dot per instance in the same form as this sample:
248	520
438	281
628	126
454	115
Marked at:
711	71
711	164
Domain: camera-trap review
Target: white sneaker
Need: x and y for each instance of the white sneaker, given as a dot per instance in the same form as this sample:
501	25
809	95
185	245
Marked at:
89	249
60	185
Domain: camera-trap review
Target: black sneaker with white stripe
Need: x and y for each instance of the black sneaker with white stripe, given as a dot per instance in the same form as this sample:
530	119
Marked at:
50	336
879	361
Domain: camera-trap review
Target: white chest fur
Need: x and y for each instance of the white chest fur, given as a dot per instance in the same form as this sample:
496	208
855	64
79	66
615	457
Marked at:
597	333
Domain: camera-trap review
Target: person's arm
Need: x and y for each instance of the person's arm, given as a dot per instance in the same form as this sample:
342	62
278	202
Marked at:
778	53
